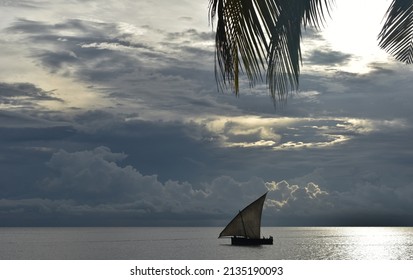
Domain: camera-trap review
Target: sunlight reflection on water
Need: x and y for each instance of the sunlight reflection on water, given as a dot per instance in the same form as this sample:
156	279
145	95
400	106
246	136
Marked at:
346	243
375	243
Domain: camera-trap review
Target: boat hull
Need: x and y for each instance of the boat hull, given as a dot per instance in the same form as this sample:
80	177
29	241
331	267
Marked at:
243	241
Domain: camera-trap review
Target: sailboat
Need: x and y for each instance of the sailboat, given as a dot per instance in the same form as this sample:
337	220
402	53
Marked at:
245	227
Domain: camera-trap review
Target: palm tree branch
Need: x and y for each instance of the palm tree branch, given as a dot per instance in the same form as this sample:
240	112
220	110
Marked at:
284	56
239	42
396	36
258	36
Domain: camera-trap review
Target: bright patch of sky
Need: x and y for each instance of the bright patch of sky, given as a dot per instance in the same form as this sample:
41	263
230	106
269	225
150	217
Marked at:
353	28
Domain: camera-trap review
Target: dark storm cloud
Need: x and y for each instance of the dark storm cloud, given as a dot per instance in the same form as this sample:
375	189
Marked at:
43	30
190	35
327	57
168	74
24	94
120	191
92	35
92	45
75	57
111	55
381	93
56	60
171	149
26	142
154	171
92	183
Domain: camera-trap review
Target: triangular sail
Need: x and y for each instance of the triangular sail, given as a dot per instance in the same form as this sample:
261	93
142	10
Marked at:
248	221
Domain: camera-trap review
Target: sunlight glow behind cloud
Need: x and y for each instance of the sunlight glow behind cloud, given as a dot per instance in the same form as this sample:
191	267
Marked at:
253	131
353	28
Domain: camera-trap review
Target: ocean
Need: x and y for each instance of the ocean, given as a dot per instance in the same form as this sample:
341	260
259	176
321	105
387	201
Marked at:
201	243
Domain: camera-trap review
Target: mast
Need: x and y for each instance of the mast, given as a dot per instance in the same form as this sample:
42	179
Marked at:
243	225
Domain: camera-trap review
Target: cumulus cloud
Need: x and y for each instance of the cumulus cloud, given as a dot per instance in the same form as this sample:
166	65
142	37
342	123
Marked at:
300	200
94	176
93	184
97	177
93	180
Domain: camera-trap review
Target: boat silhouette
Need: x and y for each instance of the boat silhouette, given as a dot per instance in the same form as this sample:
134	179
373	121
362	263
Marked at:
245	227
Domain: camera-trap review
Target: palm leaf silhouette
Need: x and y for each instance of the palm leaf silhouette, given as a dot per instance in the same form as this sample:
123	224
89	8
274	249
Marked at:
261	38
396	37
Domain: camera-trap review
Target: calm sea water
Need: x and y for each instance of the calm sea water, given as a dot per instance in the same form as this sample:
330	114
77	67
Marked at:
299	243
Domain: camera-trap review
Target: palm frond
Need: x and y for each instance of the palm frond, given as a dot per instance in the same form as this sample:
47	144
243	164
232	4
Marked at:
284	56
396	36
239	42
262	36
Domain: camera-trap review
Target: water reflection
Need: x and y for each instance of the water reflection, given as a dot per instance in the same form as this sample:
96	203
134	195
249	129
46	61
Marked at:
344	243
300	243
375	243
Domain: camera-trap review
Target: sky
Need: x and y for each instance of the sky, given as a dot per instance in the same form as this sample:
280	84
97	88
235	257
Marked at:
110	116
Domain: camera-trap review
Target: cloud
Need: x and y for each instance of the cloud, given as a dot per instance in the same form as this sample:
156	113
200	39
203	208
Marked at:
89	175
285	133
94	181
93	184
138	67
24	95
17	3
16	120
82	42
365	203
296	199
97	177
328	57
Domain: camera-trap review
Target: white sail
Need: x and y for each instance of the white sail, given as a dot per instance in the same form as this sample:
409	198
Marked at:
248	221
